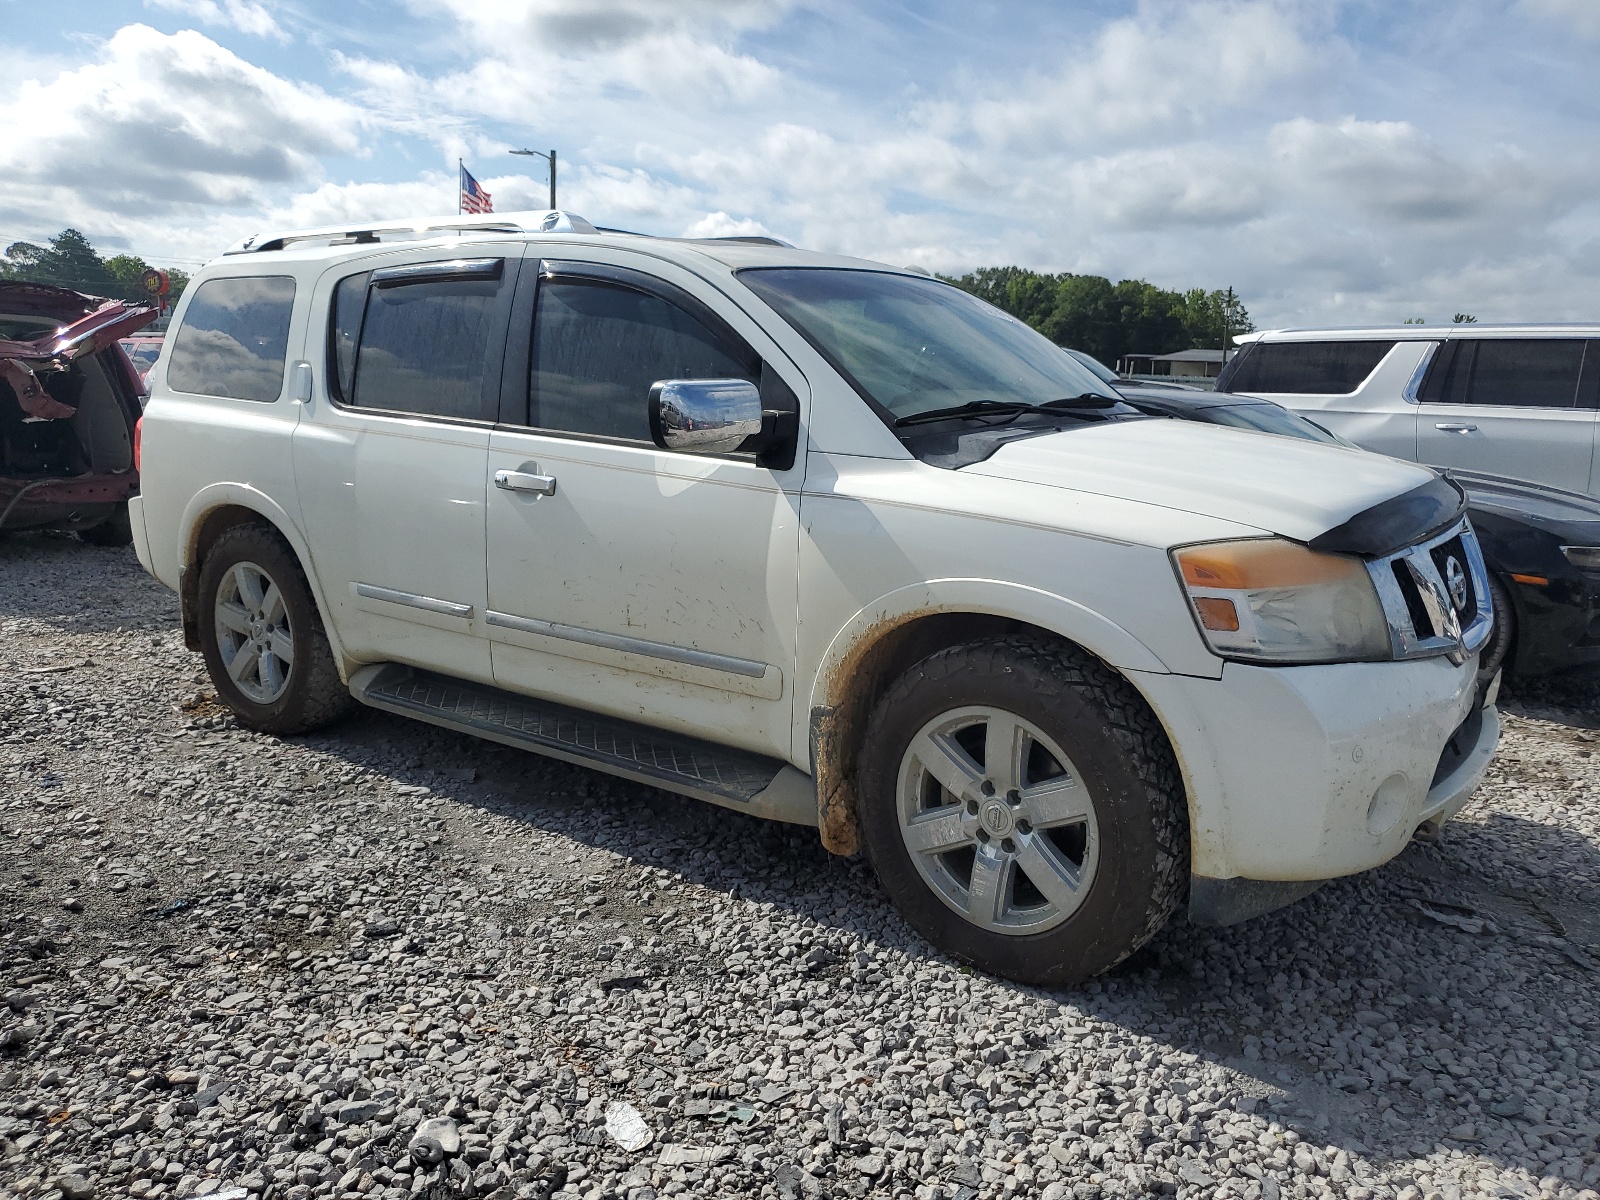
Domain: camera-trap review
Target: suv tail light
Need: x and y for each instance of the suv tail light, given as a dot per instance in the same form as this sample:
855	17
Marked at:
138	438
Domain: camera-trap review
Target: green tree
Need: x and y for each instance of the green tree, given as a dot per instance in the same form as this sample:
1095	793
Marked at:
70	261
128	270
1106	320
1463	319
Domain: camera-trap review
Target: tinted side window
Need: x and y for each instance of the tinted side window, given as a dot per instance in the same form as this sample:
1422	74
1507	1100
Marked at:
426	347
344	332
234	338
1306	368
1520	372
597	348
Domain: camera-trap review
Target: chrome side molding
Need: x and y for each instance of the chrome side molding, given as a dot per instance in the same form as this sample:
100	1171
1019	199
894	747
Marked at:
445	608
615	641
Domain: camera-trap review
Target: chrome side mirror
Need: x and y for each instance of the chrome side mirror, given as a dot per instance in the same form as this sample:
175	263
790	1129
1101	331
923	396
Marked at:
708	416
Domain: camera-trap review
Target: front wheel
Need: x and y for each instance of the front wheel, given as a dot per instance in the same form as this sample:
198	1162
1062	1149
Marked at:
264	645
1023	809
1496	651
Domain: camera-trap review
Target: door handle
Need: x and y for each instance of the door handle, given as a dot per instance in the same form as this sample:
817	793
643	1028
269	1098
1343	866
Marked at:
1456	427
523	481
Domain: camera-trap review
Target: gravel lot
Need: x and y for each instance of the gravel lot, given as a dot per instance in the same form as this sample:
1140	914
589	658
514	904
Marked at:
232	962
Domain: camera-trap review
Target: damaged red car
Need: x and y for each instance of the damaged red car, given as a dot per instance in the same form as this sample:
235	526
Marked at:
69	411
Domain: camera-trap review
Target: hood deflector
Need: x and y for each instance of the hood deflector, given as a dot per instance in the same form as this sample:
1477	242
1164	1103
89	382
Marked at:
1398	522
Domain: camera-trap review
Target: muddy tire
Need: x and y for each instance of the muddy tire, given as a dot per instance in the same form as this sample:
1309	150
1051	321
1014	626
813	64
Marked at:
1023	809
115	530
262	637
1496	653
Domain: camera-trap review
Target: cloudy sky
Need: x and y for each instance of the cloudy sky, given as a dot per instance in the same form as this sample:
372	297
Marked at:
1336	161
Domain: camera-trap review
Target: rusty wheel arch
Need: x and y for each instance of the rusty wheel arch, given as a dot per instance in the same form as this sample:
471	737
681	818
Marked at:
879	656
206	532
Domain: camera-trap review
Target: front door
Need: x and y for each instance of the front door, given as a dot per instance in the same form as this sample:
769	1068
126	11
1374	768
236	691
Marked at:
391	458
1512	406
623	578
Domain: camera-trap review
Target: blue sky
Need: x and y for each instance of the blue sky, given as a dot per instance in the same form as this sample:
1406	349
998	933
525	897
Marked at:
1335	162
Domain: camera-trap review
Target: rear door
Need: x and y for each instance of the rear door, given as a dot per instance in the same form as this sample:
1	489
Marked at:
391	456
1522	407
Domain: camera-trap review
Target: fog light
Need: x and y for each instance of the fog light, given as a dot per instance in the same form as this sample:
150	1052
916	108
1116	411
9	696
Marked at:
1388	804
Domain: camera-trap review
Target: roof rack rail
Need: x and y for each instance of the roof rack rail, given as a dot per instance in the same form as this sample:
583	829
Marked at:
535	221
750	239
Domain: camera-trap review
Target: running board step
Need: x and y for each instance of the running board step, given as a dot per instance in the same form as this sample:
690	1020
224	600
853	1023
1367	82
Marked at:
763	787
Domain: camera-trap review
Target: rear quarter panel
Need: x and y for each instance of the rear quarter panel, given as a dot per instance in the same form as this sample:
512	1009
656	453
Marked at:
201	452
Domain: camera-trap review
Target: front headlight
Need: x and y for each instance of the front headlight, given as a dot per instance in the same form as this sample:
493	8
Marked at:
1270	600
1585	558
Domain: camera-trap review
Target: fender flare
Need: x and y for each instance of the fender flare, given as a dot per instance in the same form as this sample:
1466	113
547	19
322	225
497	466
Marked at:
847	676
242	495
1096	633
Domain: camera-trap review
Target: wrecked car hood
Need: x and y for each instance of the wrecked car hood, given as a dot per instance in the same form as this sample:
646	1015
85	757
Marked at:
90	324
1293	488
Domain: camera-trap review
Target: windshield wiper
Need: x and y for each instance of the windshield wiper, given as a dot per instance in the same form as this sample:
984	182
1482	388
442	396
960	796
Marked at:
1083	400
1008	408
973	408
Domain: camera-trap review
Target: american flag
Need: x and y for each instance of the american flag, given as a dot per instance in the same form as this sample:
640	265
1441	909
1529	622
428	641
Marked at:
473	198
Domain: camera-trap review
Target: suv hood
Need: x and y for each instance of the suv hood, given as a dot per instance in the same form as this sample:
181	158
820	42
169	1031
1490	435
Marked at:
1279	485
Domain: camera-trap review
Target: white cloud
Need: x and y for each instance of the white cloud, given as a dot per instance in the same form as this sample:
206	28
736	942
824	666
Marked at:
243	15
577	26
1197	184
160	132
580	49
1577	16
1258	143
720	224
1391	170
1166	66
344	204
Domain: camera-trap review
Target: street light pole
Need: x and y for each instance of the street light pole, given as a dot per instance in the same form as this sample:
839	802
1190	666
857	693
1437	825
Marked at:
549	158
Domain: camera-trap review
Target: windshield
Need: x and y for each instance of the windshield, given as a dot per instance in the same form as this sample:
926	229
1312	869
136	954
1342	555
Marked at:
1269	418
915	345
144	357
1101	372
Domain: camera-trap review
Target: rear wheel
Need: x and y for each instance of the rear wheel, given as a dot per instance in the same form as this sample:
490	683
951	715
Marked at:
1022	807
263	641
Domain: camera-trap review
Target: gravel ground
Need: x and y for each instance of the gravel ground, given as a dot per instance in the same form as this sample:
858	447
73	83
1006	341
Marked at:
231	962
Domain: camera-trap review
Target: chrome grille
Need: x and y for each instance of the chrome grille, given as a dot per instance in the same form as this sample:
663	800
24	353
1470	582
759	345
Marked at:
1436	596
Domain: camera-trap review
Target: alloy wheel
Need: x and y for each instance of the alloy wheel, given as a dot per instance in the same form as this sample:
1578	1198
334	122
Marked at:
253	633
997	820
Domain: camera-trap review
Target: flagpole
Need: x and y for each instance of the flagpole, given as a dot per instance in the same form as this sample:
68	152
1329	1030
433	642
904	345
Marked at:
460	167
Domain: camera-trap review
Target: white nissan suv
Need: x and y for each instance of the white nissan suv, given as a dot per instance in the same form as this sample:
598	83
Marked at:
821	541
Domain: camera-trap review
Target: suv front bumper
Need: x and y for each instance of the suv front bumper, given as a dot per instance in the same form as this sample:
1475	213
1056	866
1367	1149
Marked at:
1302	774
